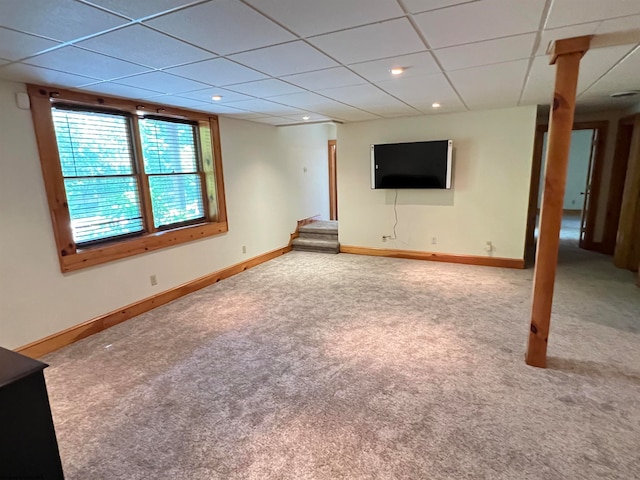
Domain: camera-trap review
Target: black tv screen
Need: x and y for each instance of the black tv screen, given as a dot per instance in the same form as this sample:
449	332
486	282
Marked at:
412	165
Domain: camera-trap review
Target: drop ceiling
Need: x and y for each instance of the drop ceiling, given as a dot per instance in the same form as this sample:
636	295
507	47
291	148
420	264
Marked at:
277	61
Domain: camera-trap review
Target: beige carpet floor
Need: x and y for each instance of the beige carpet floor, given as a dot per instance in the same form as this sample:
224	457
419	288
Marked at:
317	366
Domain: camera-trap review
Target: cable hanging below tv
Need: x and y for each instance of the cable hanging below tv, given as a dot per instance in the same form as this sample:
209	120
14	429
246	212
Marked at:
412	165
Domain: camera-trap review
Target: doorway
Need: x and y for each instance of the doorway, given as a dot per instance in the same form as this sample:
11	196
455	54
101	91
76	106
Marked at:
586	162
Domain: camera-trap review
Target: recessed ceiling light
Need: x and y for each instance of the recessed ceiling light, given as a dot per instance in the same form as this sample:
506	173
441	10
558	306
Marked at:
397	71
306	117
216	98
435	105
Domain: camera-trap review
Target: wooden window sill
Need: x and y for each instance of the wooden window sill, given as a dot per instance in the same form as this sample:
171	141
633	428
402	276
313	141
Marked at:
97	255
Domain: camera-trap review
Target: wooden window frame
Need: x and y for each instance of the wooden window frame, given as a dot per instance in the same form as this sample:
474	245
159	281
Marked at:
145	178
72	257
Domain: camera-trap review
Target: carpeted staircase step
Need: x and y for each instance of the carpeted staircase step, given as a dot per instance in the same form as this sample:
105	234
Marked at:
316	245
322	227
333	236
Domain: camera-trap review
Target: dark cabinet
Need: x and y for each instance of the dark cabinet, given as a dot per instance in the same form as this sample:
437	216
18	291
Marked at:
28	445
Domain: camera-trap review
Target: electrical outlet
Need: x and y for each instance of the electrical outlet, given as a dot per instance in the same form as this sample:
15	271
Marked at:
384	238
434	240
153	279
489	246
244	249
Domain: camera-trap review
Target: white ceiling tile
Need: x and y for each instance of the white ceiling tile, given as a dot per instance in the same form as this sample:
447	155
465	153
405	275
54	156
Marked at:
152	49
371	42
418	6
540	83
60	20
594	64
175	101
346	113
206	94
272	120
391	111
162	82
265	88
285	59
624	76
15	45
117	90
571	12
218	71
548	36
331	77
448	108
82	62
500	83
310	118
536	96
222	26
422	92
43	76
357	94
321	105
266	107
487	52
598	61
219	109
492	101
305	100
370	36
369	98
619	24
472	22
139	9
416	64
311	17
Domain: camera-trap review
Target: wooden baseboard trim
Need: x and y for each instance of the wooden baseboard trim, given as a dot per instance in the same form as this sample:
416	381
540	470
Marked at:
436	257
78	332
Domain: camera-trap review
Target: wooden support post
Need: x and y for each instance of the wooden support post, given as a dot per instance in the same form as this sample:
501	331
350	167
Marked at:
566	55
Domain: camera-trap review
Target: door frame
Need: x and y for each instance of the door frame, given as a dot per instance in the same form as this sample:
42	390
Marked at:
333	180
588	189
596	178
616	184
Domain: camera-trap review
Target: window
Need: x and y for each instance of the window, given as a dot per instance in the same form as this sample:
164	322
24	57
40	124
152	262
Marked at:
170	160
121	182
100	181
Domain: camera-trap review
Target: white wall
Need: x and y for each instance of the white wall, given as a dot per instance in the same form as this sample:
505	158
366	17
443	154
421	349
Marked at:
488	202
37	300
577	170
306	154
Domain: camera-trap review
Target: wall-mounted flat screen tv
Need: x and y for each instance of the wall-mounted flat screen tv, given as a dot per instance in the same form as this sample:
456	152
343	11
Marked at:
412	165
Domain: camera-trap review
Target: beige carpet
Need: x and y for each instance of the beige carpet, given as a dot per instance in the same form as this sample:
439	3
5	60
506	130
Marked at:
320	366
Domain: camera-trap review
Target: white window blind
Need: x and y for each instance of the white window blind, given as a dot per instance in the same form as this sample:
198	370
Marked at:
99	175
171	162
